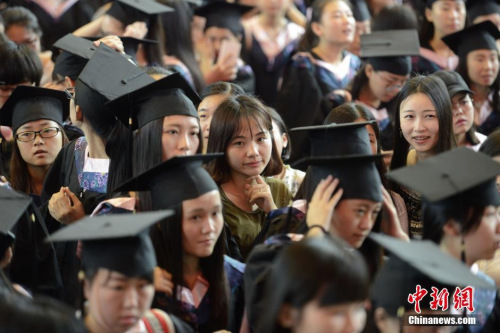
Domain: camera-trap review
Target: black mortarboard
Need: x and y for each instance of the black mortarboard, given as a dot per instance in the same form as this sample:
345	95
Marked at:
429	3
454	82
476	37
118	242
336	139
448	174
76	51
429	259
130	44
390	50
358	176
175	180
222	14
478	8
111	75
28	103
130	11
12	205
360	10
172	95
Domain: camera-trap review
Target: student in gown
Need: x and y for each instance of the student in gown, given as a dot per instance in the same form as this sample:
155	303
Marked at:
441	19
386	70
462	215
118	261
270	41
87	169
423	121
479	66
195	280
316	78
221	56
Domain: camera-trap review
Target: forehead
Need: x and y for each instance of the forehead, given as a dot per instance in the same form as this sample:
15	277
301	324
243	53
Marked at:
351	203
217	32
249	126
417	101
38	123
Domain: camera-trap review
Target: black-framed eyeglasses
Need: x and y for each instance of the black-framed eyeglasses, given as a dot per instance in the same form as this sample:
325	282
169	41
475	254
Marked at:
70	93
45	133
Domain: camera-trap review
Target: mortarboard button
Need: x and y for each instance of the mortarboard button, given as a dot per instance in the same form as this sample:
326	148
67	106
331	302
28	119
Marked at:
449	174
476	37
175	180
118	242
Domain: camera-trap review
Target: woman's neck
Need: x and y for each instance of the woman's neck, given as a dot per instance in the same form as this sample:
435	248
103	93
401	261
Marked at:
190	269
440	47
272	22
366	96
96	145
329	52
461	139
236	184
424	155
37	176
481	92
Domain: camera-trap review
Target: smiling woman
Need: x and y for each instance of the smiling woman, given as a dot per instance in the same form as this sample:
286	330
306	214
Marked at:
423	122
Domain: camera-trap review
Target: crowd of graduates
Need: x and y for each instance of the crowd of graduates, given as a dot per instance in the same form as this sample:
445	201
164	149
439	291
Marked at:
249	166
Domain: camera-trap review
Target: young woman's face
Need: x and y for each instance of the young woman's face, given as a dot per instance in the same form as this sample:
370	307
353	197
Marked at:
20	34
419	122
250	150
337	24
384	85
463	113
482	67
350	317
180	136
116	302
40	152
201	224
482	242
206	110
353	219
215	36
448	16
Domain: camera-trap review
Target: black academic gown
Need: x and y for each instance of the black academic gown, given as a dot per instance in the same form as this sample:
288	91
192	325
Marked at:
79	14
63	172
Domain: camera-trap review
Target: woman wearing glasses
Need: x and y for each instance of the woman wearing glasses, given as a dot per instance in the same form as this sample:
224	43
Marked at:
36	116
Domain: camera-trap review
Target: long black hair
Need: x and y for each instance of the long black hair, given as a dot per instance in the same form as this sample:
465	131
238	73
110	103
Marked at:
115	135
436	90
177	30
314	268
167	241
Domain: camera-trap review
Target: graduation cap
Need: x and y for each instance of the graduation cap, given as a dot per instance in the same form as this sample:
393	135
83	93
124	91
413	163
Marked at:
390	50
448	176
130	11
336	139
360	10
12	205
426	257
416	263
76	51
28	103
175	180
476	37
130	44
478	8
358	175
111	75
172	95
222	14
454	82
118	242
